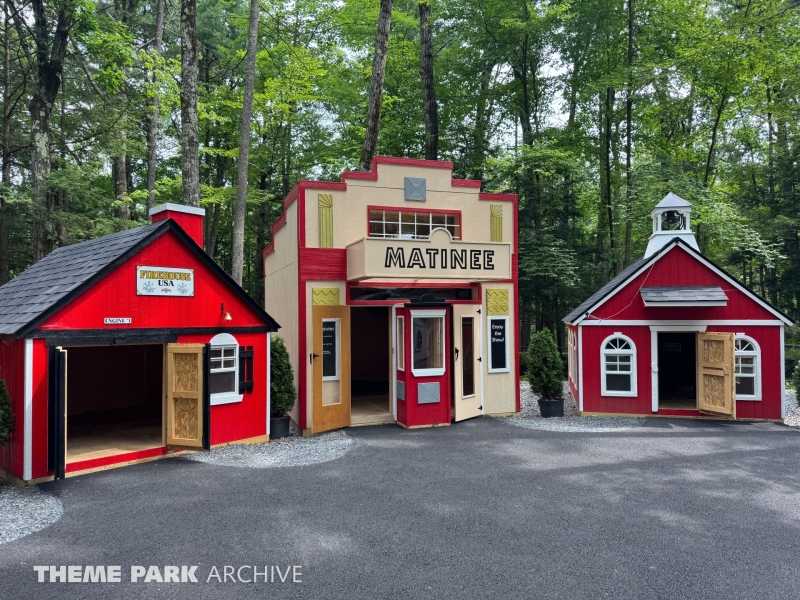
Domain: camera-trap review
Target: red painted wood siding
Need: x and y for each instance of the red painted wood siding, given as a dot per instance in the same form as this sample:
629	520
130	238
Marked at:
12	370
593	401
40	420
678	267
115	296
248	418
767	337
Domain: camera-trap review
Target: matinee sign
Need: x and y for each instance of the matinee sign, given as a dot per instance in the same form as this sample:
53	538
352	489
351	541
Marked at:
438	257
164	281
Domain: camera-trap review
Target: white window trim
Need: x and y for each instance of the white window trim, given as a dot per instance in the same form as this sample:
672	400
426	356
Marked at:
401	342
226	339
757	397
507	368
428	314
338	355
634	367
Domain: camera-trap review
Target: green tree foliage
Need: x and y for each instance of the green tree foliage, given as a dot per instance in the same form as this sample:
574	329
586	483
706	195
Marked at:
533	99
282	390
6	414
545	368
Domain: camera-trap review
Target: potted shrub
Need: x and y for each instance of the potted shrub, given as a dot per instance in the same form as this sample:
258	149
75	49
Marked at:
6	414
546	374
282	390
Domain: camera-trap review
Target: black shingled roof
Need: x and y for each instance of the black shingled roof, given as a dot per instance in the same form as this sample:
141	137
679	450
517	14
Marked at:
607	288
47	285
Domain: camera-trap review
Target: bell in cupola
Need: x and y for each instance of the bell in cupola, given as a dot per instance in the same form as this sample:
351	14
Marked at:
670	220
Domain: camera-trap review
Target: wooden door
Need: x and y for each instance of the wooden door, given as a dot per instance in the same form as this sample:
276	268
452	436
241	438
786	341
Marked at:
330	360
715	368
188	400
466	361
57	413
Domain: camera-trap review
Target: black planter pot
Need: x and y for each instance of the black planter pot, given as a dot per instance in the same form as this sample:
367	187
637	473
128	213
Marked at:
278	427
551	408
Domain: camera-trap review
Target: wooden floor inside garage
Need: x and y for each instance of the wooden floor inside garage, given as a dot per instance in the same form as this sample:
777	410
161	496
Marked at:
86	441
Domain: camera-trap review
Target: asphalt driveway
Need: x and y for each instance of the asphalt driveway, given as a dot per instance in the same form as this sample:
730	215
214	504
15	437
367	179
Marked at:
481	509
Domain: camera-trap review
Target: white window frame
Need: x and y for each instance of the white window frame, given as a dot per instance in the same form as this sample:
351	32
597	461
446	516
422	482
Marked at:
429	314
226	340
338	355
756	354
634	366
489	320
452	228
401	343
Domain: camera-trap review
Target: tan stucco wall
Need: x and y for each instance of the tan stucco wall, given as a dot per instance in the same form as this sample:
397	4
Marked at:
350	206
280	289
499	389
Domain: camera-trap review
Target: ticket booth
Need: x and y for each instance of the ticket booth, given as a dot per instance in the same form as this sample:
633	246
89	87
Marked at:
396	290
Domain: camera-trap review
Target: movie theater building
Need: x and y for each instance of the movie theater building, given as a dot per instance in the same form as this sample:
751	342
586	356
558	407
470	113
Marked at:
396	290
127	347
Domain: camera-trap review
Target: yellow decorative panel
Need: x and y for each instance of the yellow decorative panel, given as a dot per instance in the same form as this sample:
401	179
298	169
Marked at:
326	221
497	303
325	296
496	210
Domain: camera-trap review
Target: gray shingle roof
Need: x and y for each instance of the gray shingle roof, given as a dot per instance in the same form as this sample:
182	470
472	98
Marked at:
686	293
50	280
608	288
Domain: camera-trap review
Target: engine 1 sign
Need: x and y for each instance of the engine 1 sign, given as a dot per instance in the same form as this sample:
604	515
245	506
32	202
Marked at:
164	281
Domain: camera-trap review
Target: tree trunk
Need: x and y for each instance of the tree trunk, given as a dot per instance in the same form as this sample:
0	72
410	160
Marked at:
5	247
49	64
240	208
120	172
152	133
190	136
712	146
376	86
629	142
430	108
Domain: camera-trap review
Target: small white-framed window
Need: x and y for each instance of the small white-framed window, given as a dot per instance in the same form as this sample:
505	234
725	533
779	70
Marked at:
427	359
330	349
498	345
223	379
401	344
573	356
618	366
747	357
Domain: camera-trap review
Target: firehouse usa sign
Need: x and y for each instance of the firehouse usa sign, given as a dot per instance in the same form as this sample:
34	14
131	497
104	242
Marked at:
164	281
438	257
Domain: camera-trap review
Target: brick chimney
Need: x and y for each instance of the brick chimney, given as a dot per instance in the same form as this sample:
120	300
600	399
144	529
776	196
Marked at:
188	217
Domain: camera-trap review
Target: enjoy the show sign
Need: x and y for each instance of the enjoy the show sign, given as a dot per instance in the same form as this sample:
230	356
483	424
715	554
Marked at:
164	281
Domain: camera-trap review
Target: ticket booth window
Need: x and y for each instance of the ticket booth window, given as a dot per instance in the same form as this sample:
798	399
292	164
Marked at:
428	336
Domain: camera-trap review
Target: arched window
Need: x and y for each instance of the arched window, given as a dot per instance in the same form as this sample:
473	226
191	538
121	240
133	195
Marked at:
224	367
618	365
748	368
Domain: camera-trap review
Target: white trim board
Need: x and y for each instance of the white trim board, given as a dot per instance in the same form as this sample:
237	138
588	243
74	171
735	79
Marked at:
687	304
783	377
580	368
697	255
269	383
27	453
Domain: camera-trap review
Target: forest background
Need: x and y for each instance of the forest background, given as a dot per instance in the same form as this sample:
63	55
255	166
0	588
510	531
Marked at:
590	110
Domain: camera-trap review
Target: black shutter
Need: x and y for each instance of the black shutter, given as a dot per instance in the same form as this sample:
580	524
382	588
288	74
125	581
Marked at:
245	369
206	397
57	394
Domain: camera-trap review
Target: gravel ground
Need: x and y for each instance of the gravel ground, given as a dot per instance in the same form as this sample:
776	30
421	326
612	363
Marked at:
25	511
292	451
792	410
530	418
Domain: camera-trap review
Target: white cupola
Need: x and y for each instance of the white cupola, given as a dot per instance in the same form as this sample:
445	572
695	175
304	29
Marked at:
670	220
